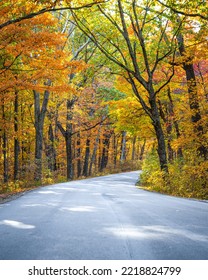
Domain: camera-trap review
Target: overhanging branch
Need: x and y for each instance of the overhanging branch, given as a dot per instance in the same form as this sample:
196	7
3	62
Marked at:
46	10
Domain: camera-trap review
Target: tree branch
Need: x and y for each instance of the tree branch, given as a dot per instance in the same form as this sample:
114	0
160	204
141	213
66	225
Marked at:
60	127
46	10
91	127
183	13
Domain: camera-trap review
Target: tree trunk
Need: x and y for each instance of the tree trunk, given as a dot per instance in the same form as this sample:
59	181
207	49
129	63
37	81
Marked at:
87	157
133	148
5	157
105	150
39	123
154	114
4	147
50	150
16	141
68	133
172	113
142	150
192	92
69	157
78	155
93	157
161	146
166	117
123	146
115	149
68	139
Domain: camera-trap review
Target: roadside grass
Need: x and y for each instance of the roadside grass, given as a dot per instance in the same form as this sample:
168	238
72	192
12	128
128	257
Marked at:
13	189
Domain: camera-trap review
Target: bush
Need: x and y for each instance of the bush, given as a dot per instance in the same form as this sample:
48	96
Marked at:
186	178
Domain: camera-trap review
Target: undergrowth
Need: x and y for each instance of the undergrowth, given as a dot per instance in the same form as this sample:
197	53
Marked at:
14	187
186	178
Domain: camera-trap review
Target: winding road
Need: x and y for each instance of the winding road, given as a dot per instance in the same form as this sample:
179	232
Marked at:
102	218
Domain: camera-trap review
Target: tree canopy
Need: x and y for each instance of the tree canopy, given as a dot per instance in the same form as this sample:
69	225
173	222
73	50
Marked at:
92	87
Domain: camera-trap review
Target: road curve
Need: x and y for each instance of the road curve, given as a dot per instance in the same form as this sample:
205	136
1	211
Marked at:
102	218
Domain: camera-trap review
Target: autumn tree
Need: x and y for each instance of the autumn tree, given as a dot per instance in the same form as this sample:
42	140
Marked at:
126	43
30	53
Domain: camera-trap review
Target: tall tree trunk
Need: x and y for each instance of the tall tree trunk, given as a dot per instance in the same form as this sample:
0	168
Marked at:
166	117
68	133
4	147
16	140
69	156
87	157
154	114
177	130
68	139
5	157
78	155
105	151
192	93
123	146
50	150
141	155
25	148
93	157
161	146
115	149
39	123
133	148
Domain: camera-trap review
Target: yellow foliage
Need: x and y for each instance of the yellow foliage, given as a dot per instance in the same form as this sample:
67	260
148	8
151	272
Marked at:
186	178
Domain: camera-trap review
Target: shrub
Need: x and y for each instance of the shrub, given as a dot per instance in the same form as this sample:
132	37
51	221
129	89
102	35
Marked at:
186	178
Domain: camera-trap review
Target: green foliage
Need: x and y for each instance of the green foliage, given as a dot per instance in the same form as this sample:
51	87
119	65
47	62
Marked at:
108	94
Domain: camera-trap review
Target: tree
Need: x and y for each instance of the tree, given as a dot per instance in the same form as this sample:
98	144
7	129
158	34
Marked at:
127	45
29	62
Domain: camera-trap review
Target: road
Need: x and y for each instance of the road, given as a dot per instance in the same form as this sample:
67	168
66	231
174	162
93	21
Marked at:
102	218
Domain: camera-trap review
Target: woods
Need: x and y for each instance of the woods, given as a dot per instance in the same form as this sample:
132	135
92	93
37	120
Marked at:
96	87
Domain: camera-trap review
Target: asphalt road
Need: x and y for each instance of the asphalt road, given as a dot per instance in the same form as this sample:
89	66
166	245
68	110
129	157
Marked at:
103	218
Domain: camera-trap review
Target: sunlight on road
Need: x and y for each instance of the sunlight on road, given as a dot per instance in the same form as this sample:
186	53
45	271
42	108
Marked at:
153	232
79	209
16	224
48	192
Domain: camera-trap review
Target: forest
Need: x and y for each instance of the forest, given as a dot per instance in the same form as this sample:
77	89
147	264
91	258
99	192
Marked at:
92	87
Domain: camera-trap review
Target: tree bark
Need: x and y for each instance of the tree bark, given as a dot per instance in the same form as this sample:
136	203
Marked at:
165	115
192	93
154	114
67	134
5	157
123	146
141	155
177	130
16	141
87	157
50	150
133	148
39	124
78	155
115	149
105	150
4	148
161	146
93	157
